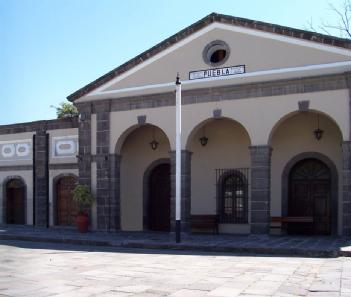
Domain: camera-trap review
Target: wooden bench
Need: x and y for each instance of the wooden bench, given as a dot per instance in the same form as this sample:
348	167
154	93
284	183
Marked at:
282	222
204	223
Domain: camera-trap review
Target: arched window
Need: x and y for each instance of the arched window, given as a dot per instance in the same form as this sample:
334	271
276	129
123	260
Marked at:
233	198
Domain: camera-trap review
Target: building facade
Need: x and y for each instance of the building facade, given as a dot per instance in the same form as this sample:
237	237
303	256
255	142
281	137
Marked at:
265	134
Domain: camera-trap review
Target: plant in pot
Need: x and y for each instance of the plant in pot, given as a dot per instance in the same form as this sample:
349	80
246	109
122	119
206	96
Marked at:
84	199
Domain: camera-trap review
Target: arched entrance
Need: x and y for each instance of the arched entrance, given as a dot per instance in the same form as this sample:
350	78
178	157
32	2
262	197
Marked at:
15	201
65	206
159	198
310	196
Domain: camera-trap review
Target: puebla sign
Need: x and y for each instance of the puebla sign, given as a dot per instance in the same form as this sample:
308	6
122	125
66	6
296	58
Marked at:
225	71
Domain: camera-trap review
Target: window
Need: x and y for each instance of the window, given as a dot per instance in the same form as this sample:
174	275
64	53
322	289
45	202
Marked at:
216	53
233	198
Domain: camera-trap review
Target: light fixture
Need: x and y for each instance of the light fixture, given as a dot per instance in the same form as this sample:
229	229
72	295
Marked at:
153	143
318	133
203	139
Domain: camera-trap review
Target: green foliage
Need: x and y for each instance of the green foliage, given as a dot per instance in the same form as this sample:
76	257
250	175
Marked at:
66	110
83	197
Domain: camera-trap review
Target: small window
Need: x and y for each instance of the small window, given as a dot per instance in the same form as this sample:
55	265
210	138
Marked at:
216	53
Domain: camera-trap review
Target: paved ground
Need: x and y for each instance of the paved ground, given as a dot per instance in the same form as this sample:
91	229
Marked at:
47	269
316	246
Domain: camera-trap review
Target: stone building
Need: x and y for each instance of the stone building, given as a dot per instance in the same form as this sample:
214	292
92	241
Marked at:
265	134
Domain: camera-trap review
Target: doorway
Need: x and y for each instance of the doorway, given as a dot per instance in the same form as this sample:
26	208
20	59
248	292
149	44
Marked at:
310	196
159	198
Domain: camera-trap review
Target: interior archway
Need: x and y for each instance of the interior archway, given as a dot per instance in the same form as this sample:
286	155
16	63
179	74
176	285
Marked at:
226	149
141	147
295	137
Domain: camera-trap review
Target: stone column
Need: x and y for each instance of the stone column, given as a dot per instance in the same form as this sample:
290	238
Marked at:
103	199
346	188
84	160
41	179
185	189
115	207
260	188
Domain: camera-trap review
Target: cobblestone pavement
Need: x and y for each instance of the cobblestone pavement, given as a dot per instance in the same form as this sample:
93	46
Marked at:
47	269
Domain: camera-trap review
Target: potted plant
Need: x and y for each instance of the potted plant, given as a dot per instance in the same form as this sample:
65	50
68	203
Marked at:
84	199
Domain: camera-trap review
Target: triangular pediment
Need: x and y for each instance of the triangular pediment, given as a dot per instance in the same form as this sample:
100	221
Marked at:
257	50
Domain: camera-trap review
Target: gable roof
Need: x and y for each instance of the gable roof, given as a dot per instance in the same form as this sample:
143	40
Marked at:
211	18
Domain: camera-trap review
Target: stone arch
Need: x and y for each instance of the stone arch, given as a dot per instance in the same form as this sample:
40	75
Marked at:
4	202
294	113
201	124
55	181
146	188
334	184
122	138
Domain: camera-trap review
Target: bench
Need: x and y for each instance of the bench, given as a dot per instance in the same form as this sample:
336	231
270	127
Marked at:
282	222
204	223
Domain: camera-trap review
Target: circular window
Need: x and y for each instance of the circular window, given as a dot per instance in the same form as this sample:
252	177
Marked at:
216	53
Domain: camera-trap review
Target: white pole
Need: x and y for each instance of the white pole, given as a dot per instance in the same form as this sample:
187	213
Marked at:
178	155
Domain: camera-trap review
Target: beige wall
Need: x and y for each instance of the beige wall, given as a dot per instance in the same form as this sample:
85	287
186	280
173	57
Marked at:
28	136
137	156
295	136
259	116
256	53
27	176
61	133
54	174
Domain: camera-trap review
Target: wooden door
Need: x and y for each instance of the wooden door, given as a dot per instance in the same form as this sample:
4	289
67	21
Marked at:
159	198
66	207
15	202
309	196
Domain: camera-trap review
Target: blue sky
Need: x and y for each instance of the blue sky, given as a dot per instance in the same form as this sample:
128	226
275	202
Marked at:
51	48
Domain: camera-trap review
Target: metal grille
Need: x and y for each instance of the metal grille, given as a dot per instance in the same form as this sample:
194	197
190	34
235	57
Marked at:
232	195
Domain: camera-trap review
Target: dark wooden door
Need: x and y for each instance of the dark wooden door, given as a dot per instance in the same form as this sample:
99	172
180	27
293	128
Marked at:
15	202
66	207
309	196
159	198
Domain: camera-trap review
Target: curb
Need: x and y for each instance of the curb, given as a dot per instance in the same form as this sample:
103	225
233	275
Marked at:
185	247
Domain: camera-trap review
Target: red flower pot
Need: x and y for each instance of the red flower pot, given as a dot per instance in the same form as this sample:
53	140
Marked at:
82	222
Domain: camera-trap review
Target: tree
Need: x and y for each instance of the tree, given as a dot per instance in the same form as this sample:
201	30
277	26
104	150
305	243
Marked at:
342	25
66	110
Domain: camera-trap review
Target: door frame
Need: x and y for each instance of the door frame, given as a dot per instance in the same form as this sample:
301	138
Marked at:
334	187
146	189
4	200
55	181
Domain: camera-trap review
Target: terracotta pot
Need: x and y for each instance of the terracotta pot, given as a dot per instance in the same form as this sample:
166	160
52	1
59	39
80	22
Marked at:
82	222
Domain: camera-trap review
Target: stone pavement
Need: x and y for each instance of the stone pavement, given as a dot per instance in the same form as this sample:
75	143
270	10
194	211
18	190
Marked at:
313	246
35	269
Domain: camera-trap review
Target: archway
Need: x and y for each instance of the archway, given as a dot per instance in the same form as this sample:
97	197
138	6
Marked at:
294	140
15	201
140	148
66	208
310	196
220	149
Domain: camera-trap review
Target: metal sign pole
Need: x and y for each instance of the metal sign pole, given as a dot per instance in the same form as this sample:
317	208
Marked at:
178	155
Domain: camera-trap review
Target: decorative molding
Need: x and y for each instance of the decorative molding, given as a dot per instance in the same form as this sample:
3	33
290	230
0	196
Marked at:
63	166
16	168
234	92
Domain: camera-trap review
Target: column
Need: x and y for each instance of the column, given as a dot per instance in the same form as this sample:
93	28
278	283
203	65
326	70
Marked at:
346	188
41	178
260	188
103	199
